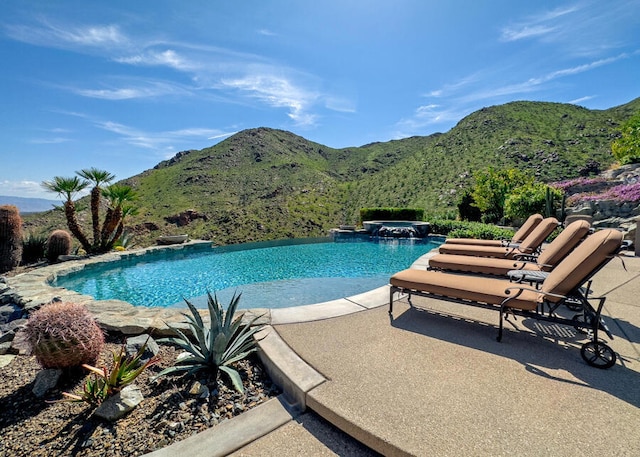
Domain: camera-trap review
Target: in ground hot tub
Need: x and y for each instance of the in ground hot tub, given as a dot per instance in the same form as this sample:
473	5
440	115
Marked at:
397	229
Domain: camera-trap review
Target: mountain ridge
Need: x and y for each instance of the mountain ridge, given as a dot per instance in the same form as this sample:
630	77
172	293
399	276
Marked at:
264	183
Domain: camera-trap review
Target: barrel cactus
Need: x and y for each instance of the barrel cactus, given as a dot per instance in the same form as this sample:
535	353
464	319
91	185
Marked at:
10	238
64	335
59	243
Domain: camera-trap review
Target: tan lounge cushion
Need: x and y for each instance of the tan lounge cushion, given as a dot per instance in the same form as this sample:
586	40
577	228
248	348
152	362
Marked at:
479	289
549	258
530	244
538	235
526	228
580	264
481	265
564	243
474	242
478	251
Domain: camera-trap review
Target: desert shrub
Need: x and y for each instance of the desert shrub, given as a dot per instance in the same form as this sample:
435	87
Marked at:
530	199
626	149
464	229
491	189
34	247
10	238
64	335
391	214
467	209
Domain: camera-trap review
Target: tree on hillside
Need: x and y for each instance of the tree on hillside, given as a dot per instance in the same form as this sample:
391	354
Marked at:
492	187
117	196
626	149
97	178
68	188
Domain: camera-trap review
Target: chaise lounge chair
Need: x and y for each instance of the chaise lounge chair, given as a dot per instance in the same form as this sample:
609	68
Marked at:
529	245
551	255
563	286
526	228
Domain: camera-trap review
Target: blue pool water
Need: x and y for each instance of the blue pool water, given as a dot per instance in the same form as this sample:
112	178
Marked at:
269	275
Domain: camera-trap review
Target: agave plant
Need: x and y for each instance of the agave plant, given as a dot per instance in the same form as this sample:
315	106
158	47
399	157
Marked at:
217	346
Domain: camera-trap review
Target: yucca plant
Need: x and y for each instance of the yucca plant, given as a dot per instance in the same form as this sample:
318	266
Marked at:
217	346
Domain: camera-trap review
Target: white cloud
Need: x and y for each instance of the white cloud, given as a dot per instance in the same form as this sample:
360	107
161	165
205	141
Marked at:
266	32
167	58
223	74
55	140
139	89
27	189
278	92
536	26
577	101
158	140
68	36
510	34
221	135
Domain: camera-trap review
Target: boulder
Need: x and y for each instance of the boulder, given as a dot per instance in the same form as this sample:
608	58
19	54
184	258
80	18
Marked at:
134	343
119	405
45	381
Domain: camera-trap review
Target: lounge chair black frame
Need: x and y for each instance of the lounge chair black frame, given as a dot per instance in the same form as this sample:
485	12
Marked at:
588	319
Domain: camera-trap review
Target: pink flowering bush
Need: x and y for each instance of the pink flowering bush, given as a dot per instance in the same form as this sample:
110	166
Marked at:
620	193
581	182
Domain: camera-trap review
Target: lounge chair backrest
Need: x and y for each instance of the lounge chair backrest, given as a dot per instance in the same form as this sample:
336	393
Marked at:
564	243
583	262
526	228
538	235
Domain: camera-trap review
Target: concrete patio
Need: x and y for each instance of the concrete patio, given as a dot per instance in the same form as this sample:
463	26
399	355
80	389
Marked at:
432	380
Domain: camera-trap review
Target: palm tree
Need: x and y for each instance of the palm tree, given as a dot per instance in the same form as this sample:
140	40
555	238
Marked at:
68	187
97	177
127	210
117	196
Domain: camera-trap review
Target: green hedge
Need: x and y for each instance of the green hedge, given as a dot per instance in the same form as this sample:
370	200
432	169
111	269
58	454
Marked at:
391	214
464	229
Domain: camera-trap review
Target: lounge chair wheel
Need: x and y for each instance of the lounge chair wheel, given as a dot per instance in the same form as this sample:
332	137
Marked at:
598	354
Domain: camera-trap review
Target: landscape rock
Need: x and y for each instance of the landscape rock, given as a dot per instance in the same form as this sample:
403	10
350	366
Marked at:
120	404
6	359
20	345
134	344
5	347
10	312
45	381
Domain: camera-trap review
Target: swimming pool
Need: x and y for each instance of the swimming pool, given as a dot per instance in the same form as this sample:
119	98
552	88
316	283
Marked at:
276	274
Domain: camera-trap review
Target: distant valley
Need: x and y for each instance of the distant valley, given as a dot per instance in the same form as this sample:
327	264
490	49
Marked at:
29	205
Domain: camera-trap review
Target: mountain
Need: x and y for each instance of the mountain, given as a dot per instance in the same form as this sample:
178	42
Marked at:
29	205
265	184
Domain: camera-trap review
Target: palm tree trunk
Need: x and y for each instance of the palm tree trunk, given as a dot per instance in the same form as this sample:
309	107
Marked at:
95	215
72	223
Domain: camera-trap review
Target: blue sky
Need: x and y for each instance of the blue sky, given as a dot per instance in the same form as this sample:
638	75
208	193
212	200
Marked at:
123	85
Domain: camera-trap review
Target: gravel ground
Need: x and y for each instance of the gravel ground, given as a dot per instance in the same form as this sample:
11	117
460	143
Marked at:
30	426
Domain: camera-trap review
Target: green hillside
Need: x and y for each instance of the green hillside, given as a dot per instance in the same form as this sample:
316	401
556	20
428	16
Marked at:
265	184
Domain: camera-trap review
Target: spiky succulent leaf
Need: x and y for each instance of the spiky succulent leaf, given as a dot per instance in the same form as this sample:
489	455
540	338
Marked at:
234	376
